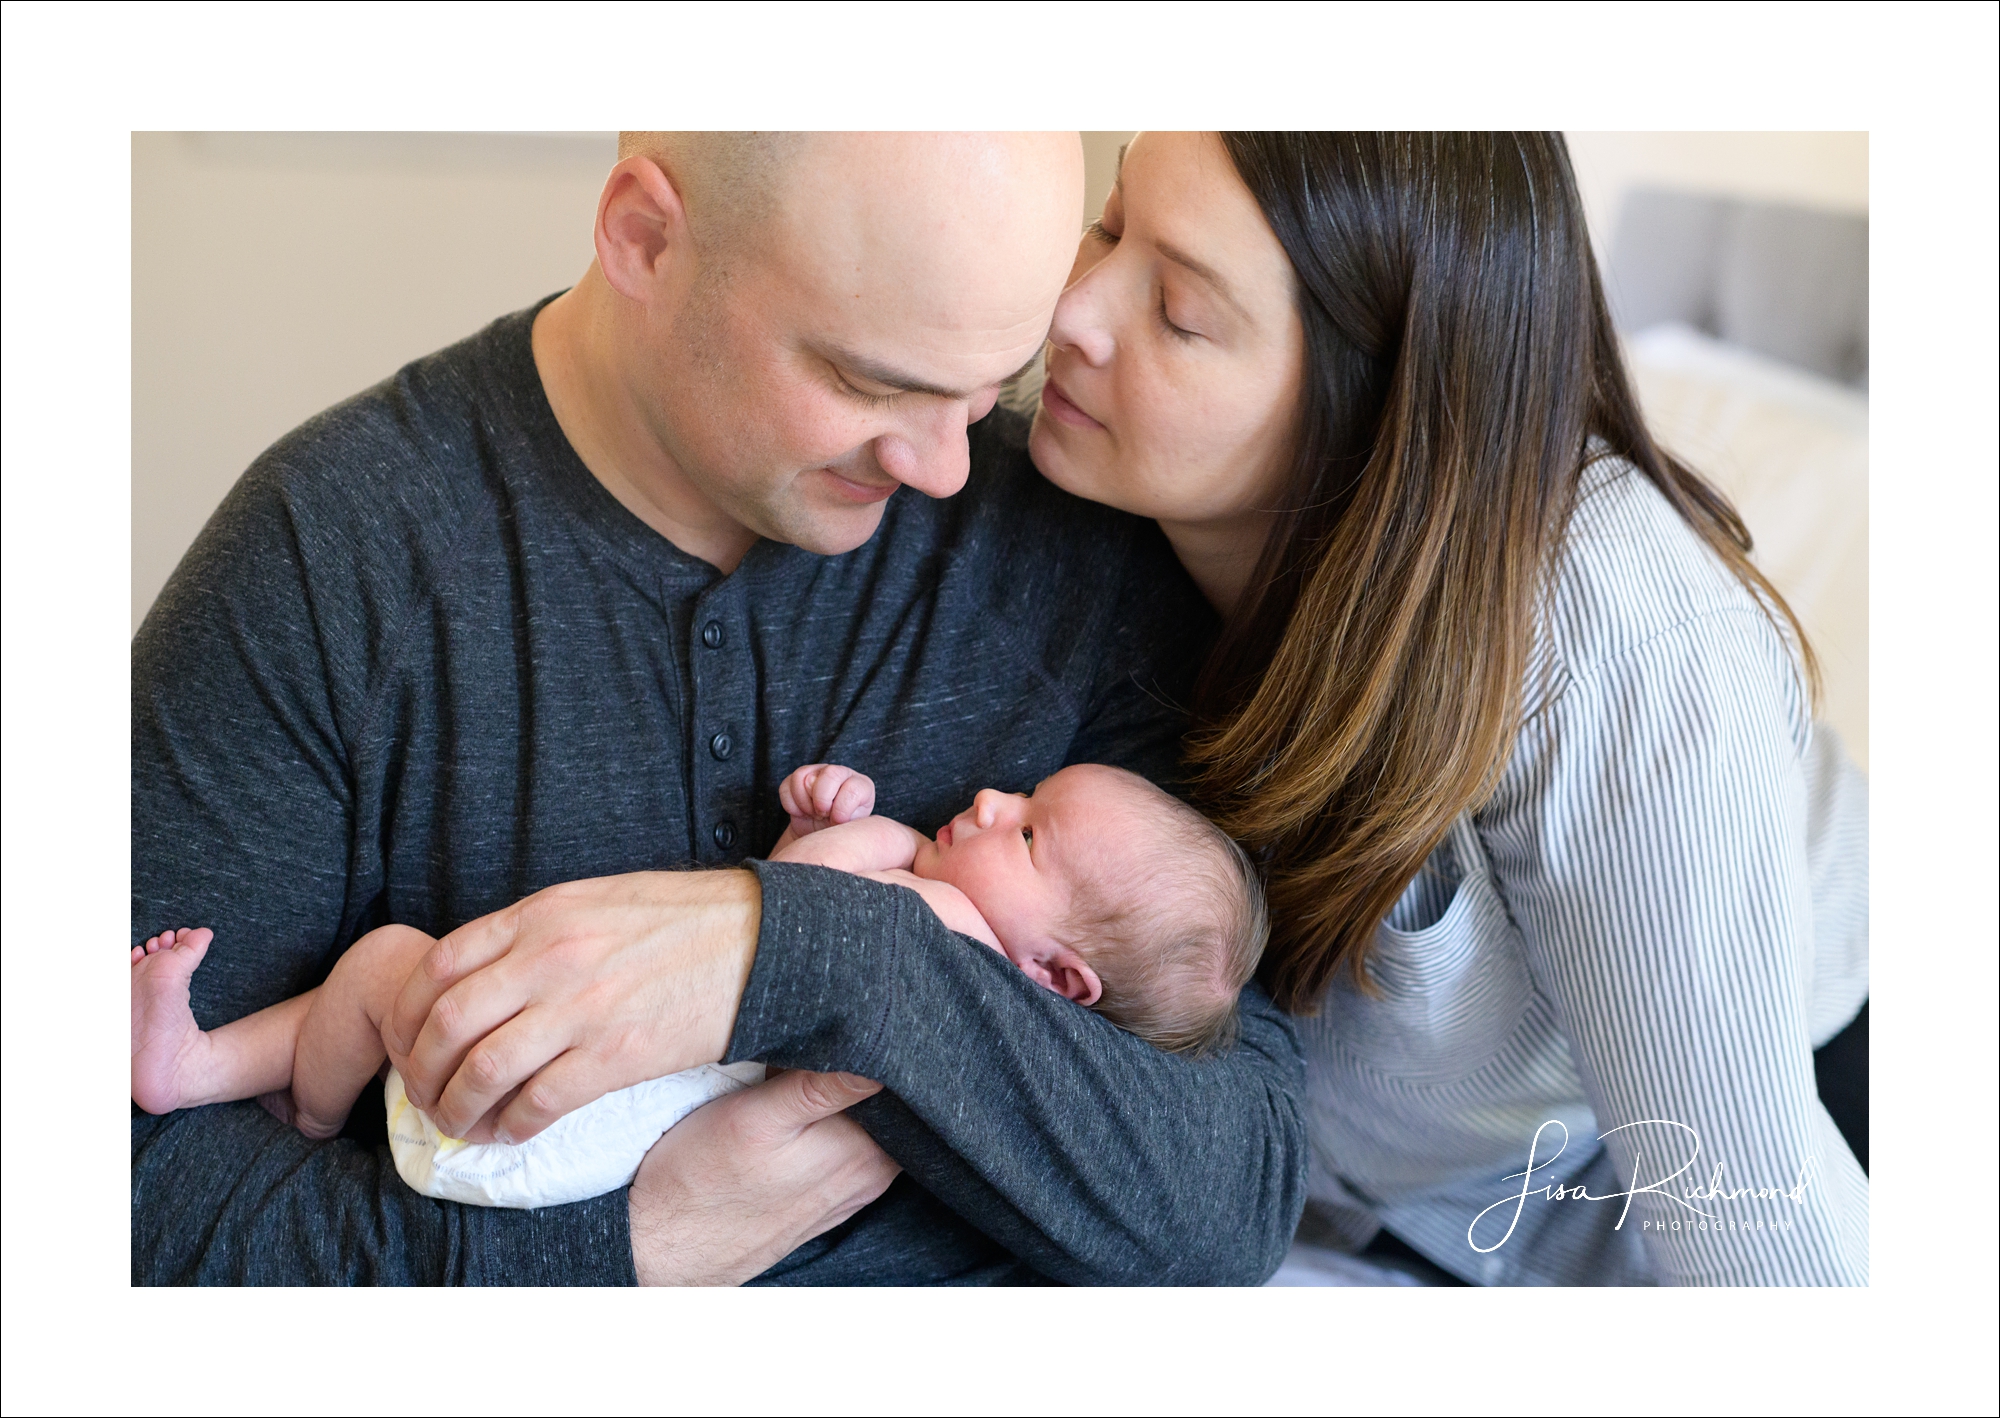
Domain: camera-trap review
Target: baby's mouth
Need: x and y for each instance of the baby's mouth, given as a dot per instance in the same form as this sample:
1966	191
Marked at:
944	835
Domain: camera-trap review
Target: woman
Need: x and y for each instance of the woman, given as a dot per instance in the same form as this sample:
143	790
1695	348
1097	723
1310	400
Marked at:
1564	879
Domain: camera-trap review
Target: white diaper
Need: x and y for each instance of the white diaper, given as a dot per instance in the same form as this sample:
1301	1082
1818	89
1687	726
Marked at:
583	1154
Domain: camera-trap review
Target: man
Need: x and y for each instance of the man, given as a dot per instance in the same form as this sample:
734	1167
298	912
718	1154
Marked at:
548	616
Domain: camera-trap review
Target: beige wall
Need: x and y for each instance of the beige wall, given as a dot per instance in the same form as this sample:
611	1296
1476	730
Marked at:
1100	169
274	274
1810	169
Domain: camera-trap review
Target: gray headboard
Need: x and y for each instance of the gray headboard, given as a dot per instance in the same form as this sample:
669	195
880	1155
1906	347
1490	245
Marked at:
1788	282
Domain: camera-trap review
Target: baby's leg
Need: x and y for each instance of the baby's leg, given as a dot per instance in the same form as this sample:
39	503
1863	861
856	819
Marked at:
175	1064
340	1044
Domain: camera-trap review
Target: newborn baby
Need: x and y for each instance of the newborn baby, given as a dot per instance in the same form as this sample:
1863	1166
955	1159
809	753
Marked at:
1100	887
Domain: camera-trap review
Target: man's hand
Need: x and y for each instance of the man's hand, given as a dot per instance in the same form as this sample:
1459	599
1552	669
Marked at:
527	1014
746	1180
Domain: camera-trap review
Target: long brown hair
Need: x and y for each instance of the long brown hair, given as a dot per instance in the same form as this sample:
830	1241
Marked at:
1461	370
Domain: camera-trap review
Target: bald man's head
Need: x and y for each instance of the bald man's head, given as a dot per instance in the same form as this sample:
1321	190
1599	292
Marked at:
729	180
815	318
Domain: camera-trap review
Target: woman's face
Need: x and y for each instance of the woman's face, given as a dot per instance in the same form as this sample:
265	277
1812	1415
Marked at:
1176	357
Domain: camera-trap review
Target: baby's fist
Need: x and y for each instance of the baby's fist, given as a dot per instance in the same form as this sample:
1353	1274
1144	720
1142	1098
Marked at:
825	794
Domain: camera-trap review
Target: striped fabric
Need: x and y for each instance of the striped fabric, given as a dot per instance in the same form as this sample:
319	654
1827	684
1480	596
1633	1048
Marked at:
1622	961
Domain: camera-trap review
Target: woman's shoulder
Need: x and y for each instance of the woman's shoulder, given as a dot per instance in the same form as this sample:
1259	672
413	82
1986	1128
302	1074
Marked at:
1631	571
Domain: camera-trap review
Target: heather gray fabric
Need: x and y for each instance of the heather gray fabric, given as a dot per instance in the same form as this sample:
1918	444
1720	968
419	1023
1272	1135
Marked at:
1785	281
421	664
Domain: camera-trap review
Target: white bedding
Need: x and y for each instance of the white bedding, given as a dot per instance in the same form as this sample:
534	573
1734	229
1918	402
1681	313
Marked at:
1791	450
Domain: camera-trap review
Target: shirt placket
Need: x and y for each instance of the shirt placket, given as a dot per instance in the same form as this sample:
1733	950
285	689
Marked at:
722	726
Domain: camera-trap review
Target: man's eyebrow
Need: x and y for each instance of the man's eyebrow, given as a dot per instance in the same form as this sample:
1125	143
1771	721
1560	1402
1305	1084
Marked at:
875	373
1204	270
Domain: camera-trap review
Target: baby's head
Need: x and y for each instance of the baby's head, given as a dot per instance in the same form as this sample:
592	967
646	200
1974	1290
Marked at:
1115	894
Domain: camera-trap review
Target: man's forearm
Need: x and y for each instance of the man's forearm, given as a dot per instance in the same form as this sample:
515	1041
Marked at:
1079	1147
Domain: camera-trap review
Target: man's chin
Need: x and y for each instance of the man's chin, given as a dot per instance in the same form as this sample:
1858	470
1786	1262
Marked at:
833	531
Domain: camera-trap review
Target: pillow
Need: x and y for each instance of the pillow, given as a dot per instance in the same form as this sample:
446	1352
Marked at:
1789	282
1790	449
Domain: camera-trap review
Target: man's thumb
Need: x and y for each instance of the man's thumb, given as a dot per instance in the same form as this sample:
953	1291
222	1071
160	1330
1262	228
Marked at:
813	1096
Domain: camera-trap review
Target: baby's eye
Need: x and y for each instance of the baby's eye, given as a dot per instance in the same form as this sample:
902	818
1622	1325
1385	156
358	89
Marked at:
1028	835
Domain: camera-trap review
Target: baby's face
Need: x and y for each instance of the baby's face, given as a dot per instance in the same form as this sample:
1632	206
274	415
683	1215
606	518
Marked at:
1018	858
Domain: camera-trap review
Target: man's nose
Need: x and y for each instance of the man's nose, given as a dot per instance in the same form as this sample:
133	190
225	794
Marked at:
929	453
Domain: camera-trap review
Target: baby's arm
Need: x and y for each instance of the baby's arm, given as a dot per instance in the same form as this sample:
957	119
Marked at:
883	849
867	844
831	826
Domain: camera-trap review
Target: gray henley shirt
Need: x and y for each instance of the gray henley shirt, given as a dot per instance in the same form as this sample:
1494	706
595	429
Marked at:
421	664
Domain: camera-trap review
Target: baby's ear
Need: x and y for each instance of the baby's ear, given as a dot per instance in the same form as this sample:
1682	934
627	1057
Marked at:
1067	973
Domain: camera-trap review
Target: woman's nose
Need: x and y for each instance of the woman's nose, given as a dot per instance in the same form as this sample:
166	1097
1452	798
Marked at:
1079	324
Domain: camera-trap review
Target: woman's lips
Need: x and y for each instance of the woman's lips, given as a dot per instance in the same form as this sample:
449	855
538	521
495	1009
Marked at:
1062	410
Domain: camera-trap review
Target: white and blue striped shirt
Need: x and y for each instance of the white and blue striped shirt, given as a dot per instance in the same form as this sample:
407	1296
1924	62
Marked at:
1623	960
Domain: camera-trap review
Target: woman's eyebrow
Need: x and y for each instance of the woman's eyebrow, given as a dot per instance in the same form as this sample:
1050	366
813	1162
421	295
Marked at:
1202	269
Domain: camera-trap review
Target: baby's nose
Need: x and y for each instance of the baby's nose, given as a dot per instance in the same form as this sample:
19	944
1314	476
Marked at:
988	805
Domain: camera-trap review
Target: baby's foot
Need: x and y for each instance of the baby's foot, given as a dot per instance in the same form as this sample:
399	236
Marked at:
168	1051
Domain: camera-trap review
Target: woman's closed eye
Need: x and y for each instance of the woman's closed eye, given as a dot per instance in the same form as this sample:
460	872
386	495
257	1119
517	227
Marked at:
1167	322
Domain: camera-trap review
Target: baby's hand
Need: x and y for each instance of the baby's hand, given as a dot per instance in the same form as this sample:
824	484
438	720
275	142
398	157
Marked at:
825	794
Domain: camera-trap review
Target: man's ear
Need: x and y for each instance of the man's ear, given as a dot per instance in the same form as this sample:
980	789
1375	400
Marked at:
1061	969
641	222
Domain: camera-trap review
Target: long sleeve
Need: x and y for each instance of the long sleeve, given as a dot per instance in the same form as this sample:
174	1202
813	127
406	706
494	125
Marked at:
1651	844
242	820
1080	1148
